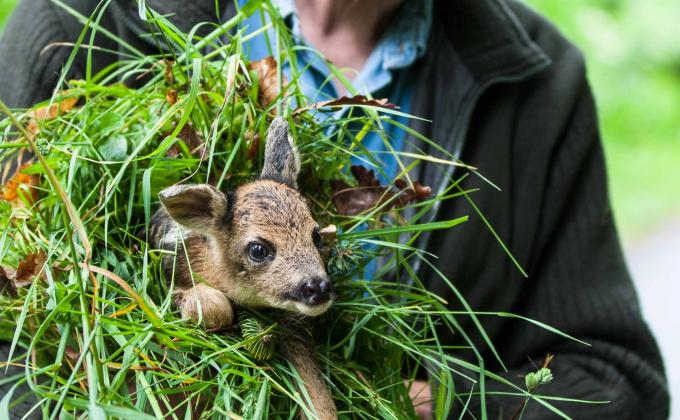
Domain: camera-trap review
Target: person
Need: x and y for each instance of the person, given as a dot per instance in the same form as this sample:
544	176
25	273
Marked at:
505	92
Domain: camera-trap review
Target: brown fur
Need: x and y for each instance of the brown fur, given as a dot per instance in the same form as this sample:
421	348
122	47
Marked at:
263	210
298	348
212	270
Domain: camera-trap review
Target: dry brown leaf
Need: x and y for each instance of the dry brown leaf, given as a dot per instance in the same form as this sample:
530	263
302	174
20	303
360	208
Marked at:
268	80
171	96
49	112
72	354
191	138
354	200
22	157
20	181
7	285
347	100
369	193
29	267
253	146
365	177
417	193
167	74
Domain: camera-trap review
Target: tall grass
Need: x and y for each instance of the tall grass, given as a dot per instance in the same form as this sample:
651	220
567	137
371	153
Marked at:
95	329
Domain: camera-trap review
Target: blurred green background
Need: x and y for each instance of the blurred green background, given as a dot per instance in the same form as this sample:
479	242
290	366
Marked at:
633	57
633	53
6	7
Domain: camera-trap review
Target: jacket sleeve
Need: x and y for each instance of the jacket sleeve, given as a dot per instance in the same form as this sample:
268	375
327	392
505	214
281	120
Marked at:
30	66
578	283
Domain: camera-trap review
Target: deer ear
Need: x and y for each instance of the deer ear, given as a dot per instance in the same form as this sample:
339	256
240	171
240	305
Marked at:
281	158
201	208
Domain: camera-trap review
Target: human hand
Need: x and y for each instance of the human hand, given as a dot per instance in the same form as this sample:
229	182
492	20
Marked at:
421	396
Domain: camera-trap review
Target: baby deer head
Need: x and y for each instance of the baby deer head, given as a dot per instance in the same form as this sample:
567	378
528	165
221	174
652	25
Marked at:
261	238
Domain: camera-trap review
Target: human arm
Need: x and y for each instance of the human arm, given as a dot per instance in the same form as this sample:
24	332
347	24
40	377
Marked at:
554	214
30	69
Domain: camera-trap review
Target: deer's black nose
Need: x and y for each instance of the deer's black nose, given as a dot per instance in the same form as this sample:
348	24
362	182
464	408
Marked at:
315	291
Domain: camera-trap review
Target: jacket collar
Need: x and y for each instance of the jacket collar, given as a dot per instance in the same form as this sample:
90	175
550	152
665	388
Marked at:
473	45
489	40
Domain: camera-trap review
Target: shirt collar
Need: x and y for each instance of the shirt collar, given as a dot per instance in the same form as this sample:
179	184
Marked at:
406	37
404	41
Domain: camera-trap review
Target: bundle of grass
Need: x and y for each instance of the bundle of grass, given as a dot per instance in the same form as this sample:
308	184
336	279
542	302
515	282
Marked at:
85	304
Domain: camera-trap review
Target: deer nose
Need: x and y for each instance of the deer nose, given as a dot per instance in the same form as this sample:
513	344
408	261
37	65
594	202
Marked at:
315	291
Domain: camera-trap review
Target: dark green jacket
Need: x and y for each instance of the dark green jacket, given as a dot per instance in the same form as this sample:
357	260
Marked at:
508	94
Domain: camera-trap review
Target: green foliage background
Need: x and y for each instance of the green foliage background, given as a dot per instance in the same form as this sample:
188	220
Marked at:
6	7
633	57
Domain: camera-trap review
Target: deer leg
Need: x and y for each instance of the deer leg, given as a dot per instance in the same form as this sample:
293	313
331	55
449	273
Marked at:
298	348
205	304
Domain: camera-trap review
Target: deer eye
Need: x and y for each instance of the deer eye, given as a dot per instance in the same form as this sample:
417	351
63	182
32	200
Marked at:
316	237
258	251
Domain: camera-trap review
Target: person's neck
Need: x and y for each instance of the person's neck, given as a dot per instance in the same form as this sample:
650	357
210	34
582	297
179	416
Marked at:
345	31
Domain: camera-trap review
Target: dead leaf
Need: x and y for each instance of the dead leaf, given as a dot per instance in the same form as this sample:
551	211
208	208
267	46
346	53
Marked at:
345	101
370	194
49	112
171	96
253	146
169	76
29	267
22	157
191	138
354	200
365	177
20	181
7	285
417	193
72	354
268	80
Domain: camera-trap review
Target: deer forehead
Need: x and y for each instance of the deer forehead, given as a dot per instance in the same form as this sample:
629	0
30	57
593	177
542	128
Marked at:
273	208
